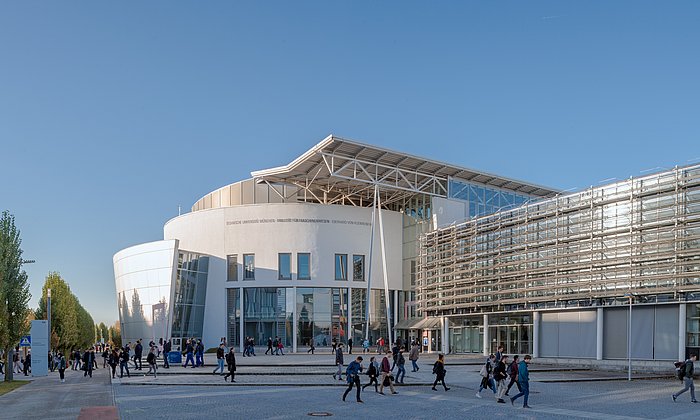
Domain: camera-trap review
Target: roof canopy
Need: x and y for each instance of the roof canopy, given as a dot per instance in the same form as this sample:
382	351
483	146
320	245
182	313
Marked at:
336	165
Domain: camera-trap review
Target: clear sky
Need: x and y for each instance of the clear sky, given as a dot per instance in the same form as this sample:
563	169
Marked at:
114	113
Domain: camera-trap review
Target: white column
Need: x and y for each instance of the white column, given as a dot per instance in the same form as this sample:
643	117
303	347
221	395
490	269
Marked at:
682	321
349	312
486	335
445	335
295	321
240	324
385	272
396	312
536	321
599	334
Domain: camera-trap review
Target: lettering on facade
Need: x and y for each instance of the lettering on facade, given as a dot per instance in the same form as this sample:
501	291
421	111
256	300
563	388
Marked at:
297	220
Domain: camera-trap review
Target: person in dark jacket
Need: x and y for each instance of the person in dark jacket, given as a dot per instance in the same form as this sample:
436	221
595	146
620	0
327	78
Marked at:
189	350
27	364
113	360
88	359
231	363
339	362
372	372
688	379
167	347
352	375
350	345
513	373
524	381
500	375
124	362
220	359
151	360
401	364
269	346
138	354
386	379
439	371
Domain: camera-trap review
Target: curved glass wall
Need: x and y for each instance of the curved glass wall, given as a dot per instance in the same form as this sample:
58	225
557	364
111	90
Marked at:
189	297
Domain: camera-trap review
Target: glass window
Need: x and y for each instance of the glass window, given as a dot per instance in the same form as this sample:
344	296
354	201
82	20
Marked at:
232	272
341	266
304	266
358	267
285	266
248	266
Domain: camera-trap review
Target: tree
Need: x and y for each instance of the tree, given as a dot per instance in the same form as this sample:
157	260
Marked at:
64	317
115	334
14	289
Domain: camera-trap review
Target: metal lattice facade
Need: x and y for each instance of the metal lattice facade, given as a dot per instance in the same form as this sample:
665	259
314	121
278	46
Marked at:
639	237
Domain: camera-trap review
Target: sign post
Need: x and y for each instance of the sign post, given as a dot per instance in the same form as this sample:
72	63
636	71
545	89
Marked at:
39	341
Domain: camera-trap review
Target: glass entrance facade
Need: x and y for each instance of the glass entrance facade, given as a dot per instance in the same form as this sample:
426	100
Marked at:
466	335
513	331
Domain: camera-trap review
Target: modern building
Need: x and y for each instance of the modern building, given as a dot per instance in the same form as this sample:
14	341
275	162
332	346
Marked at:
304	252
351	240
608	273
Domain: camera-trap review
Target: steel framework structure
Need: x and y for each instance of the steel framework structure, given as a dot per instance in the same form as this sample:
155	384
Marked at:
639	237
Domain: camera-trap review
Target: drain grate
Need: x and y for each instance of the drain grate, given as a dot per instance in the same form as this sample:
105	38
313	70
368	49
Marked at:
319	414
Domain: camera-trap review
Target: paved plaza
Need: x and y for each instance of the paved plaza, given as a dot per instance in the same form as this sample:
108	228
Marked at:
292	387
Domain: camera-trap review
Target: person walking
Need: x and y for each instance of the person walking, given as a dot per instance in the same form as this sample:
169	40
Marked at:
27	364
124	363
105	355
189	351
138	354
280	348
439	371
220	359
200	353
88	358
524	381
386	379
413	356
372	372
394	355
401	364
513	373
62	367
350	345
486	374
311	346
500	375
167	347
151	360
113	361
339	361
352	375
688	379
365	346
231	363
499	353
16	367
269	346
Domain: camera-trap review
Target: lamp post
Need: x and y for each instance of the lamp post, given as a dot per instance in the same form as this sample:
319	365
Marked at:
48	313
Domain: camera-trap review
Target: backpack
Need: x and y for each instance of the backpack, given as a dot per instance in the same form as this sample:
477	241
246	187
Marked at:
680	370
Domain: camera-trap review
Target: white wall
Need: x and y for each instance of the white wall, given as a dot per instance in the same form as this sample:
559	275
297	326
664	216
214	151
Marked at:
268	229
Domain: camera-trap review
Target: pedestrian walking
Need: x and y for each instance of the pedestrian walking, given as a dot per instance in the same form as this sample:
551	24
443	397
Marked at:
486	374
88	361
151	361
372	372
334	345
113	361
105	355
350	345
62	367
513	373
365	346
688	379
189	354
499	353
280	348
394	355
124	362
167	347
386	378
311	347
338	362
220	359
439	371
524	381
231	363
352	375
269	346
413	356
500	376
401	364
138	354
200	353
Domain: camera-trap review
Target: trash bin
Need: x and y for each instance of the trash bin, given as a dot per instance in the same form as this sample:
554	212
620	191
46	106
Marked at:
175	357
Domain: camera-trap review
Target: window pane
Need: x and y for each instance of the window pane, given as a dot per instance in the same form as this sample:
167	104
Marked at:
358	267
341	266
249	266
304	266
285	266
232	272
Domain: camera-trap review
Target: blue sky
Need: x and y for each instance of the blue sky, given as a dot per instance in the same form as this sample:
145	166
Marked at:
114	113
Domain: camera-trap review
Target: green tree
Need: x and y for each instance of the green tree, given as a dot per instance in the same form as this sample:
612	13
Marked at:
14	289
64	314
115	334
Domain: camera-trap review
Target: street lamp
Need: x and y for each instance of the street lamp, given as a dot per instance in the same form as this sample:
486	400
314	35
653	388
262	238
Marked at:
48	313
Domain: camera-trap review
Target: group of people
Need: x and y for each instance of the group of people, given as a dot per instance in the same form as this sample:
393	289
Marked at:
229	359
20	363
499	374
276	347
